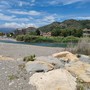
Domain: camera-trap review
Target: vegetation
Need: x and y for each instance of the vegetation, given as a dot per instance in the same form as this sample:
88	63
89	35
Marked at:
37	32
81	85
67	24
12	77
29	38
29	58
1	34
10	34
20	38
67	32
82	47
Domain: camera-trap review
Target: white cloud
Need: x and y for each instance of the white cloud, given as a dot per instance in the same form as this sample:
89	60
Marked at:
6	17
33	1
47	19
12	18
32	12
84	18
50	18
16	25
65	2
21	3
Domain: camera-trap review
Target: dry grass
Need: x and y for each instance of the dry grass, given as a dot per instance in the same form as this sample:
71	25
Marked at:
83	46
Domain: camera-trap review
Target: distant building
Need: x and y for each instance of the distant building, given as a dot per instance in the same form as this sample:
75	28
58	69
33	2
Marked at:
45	33
86	32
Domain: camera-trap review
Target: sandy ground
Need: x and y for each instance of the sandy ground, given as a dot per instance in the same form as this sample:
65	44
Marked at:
21	50
12	76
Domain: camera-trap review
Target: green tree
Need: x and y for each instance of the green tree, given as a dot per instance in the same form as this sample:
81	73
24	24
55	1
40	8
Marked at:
1	34
37	32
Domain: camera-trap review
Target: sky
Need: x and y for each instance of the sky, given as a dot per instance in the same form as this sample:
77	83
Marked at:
37	13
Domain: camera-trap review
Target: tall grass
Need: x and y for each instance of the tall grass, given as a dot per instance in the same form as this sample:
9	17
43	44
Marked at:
82	47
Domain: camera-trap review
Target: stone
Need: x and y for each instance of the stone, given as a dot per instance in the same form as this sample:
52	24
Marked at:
49	59
38	66
84	58
66	56
81	70
59	79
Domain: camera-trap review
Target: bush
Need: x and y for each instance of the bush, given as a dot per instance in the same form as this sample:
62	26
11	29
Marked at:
82	47
30	38
70	39
80	87
29	58
20	38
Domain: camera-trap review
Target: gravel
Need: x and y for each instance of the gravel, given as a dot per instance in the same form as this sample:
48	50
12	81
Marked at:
13	76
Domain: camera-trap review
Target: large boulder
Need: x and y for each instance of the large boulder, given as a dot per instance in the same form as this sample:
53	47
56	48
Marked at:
5	58
84	58
59	79
81	70
66	56
38	66
49	59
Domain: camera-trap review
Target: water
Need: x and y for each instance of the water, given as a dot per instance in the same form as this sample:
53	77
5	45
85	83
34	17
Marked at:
37	44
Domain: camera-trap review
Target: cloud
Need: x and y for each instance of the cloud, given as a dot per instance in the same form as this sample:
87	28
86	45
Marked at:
32	12
65	2
84	18
6	17
50	18
12	18
47	19
17	25
33	1
23	3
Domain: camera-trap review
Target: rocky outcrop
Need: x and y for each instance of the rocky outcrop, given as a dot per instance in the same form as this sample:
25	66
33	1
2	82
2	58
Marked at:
66	56
49	59
38	66
5	58
61	71
59	79
80	70
84	58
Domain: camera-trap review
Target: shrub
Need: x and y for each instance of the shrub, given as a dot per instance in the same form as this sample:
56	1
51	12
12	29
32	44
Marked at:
80	87
70	39
82	47
12	77
30	38
29	58
20	38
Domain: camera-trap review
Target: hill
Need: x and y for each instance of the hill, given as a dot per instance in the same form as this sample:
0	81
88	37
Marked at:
67	24
7	30
24	30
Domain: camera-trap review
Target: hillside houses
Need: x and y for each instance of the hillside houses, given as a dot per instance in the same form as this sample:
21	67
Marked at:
24	31
45	33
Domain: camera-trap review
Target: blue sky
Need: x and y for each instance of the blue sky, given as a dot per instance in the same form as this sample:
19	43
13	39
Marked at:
25	13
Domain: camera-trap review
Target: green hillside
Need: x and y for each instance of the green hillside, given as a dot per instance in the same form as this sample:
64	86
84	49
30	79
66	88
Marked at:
67	24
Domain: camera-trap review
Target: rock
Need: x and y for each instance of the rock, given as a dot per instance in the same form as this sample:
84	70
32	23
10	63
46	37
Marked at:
59	79
85	58
66	56
5	58
49	59
38	66
80	70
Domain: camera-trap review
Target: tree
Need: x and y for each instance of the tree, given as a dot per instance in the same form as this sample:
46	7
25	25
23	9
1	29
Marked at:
37	32
56	31
1	34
